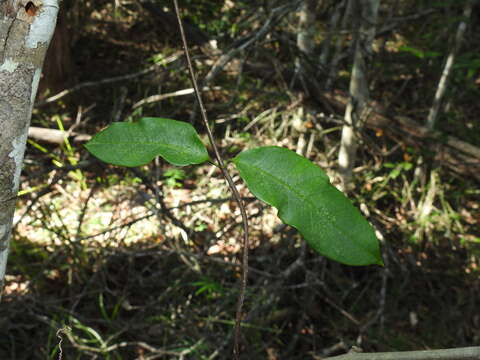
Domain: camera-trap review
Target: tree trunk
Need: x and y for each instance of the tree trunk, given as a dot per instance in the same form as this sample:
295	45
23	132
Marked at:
303	67
305	41
365	33
442	84
26	28
331	69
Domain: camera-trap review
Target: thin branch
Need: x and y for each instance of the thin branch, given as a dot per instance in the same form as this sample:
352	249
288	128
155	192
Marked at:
152	213
114	79
393	23
275	16
157	98
231	184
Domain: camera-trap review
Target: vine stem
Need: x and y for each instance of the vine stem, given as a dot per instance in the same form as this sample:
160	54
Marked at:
233	188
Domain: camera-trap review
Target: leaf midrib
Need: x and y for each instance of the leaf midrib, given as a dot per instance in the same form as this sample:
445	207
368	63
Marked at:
306	199
169	146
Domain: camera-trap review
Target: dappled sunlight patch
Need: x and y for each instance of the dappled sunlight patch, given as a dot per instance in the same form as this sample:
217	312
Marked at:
108	208
15	285
228	247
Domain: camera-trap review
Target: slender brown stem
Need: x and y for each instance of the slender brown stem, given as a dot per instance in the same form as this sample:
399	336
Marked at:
228	178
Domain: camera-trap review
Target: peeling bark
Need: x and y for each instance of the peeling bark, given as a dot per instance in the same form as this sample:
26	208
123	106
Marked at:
26	28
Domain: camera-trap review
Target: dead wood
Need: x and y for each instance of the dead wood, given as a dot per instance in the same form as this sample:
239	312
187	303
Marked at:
457	155
54	136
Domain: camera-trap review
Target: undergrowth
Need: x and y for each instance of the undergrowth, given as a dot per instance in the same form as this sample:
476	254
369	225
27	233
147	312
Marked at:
142	263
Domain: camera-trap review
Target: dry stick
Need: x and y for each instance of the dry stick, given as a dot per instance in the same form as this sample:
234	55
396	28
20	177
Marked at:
114	79
468	353
160	97
236	195
64	329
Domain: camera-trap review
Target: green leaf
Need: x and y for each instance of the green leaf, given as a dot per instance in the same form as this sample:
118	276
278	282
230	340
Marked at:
138	143
306	200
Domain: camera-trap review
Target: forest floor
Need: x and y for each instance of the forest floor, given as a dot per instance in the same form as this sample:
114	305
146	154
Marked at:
115	263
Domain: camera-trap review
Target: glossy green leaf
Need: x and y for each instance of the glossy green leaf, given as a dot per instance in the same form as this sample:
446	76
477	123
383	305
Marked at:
138	143
306	200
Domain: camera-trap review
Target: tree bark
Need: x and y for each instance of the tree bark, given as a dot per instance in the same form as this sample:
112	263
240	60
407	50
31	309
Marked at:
359	94
26	28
